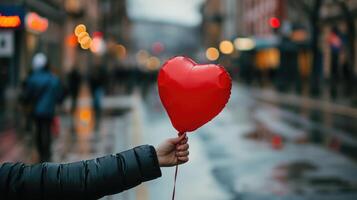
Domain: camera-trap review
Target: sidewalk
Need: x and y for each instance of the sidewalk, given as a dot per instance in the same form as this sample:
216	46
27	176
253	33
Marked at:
13	148
14	141
331	122
322	103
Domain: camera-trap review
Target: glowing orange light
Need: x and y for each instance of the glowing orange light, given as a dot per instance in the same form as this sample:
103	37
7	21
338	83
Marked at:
87	43
153	63
299	35
36	23
226	47
212	54
71	40
9	21
121	51
79	29
85	115
81	36
142	56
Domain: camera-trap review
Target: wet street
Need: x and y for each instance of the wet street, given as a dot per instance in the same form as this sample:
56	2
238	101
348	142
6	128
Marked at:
264	145
79	81
260	149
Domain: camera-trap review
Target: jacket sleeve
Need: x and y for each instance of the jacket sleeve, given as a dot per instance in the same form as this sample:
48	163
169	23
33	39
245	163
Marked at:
90	179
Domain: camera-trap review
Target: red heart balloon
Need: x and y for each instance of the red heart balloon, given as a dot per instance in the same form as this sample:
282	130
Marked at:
192	94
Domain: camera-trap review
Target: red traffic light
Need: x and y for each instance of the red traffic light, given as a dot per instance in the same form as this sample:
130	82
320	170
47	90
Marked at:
274	22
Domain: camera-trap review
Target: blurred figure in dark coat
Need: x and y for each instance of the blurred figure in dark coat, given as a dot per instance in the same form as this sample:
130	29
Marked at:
44	91
74	84
96	83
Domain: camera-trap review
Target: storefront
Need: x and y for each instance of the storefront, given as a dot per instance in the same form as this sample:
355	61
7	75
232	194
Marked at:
11	27
26	28
43	33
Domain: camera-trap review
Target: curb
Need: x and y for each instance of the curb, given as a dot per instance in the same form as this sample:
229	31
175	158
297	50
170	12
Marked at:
306	102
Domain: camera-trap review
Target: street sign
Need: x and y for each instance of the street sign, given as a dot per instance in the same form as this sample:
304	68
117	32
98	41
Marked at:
6	43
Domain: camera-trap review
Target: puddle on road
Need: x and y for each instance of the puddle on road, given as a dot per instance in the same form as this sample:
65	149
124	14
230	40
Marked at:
264	134
225	178
321	128
298	178
292	171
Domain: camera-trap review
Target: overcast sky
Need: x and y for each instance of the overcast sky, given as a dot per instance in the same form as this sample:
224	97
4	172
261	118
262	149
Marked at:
184	12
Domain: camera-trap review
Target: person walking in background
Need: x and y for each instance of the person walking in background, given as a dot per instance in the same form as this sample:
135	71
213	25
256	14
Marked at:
335	43
96	84
91	179
43	90
74	84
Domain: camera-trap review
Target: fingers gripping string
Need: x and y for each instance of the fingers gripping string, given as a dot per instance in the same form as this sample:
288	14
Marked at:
176	171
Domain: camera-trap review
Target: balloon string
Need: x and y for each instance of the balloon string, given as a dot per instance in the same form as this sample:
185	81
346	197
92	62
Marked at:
176	171
173	192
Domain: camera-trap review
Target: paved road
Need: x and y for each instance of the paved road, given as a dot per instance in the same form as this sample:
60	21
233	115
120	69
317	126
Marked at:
257	149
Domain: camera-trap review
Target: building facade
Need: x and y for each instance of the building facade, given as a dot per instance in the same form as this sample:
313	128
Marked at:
39	28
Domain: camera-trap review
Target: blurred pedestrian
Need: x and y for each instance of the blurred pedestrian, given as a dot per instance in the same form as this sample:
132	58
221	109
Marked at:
25	105
288	76
335	43
91	179
74	84
43	90
96	82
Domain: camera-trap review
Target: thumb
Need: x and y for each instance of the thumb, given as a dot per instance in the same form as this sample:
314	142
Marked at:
177	139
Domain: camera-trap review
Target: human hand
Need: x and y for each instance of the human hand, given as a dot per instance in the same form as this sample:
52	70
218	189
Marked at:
173	151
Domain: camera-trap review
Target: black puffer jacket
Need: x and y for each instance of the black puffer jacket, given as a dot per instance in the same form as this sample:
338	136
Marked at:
90	179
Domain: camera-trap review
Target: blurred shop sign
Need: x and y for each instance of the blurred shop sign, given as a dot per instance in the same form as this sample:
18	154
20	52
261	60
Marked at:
268	58
299	35
36	23
10	21
6	43
11	17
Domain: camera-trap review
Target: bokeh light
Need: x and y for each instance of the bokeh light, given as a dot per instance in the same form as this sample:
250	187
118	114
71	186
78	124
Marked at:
274	22
226	47
81	36
36	23
212	54
9	21
79	29
71	40
244	44
142	56
98	46
157	48
153	63
120	51
86	43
